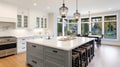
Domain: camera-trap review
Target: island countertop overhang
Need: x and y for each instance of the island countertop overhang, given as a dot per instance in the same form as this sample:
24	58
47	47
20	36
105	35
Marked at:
62	45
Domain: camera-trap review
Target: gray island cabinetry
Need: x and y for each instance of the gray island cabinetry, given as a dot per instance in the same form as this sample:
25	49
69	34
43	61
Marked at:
52	53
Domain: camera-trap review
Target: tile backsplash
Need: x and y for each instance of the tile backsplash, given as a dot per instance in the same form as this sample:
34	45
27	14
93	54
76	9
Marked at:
7	25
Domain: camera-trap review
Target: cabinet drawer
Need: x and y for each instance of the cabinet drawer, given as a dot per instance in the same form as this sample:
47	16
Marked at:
35	50
34	61
54	51
55	56
55	60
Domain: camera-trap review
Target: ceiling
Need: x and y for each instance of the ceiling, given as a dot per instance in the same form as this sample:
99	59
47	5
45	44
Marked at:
54	5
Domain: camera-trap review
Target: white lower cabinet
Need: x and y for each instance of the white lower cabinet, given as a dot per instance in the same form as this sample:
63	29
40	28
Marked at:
21	43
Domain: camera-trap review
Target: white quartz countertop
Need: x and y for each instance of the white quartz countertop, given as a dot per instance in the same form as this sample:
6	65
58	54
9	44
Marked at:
63	45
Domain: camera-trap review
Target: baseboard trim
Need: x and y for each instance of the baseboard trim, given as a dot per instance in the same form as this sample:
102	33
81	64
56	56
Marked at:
111	45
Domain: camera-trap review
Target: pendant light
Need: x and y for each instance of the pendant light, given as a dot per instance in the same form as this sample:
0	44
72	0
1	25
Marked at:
63	10
76	14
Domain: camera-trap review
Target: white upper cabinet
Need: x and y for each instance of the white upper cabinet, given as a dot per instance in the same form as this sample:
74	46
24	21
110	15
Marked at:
22	18
37	19
8	13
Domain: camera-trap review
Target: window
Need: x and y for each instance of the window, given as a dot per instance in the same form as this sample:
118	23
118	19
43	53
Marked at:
85	26
59	27
110	26
72	27
96	25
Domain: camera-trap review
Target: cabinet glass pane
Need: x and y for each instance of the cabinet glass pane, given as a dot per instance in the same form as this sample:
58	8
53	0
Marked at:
84	28
41	22
45	22
19	21
25	21
110	30
97	28
37	22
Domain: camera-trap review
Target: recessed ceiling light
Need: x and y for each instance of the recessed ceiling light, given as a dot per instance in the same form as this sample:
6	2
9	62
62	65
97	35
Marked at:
48	7
109	8
34	4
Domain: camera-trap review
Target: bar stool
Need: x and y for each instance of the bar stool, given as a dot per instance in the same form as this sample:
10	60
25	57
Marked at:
82	56
92	51
88	48
75	59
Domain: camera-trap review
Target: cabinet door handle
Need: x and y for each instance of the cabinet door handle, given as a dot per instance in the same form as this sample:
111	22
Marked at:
33	46
55	51
34	62
23	48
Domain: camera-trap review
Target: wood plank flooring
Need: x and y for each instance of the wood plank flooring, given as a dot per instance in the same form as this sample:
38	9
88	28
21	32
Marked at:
105	56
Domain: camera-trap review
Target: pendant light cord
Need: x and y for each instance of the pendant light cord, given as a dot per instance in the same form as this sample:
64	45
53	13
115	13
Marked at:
89	15
77	5
63	1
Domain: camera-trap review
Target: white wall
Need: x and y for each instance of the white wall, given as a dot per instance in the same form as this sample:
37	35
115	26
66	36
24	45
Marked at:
7	10
52	23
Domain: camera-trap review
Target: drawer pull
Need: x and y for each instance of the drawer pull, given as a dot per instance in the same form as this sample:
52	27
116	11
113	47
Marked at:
55	51
33	46
23	48
34	62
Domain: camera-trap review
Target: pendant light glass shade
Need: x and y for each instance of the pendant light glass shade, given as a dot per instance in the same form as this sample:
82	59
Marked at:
76	14
63	10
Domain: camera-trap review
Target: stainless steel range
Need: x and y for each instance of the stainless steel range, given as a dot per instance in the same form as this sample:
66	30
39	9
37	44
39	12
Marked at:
8	46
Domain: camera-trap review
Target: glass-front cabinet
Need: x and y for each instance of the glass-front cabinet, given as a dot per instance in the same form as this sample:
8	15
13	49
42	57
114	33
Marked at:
41	22
22	21
25	22
19	21
37	22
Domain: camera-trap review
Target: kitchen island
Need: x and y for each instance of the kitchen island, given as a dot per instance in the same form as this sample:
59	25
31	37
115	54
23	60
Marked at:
54	52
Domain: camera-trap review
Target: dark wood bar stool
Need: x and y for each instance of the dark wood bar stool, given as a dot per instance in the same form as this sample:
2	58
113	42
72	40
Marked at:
75	59
82	56
88	52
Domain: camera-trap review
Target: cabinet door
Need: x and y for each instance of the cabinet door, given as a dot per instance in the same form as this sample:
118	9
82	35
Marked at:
37	22
21	45
34	61
49	63
45	23
19	21
25	22
42	23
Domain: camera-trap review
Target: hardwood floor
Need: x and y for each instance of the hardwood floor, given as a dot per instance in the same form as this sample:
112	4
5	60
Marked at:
105	56
14	61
